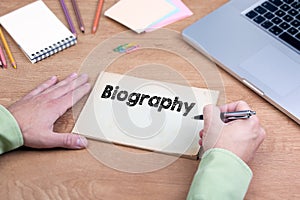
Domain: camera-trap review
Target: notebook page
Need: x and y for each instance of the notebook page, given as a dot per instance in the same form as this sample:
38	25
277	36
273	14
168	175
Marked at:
111	115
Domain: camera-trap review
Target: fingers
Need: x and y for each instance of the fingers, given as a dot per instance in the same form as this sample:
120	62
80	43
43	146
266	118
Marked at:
235	106
61	105
66	140
211	114
69	84
201	136
44	86
212	127
70	78
262	135
57	90
257	130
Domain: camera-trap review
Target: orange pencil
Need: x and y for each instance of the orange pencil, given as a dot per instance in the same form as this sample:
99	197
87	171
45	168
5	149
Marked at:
8	52
97	16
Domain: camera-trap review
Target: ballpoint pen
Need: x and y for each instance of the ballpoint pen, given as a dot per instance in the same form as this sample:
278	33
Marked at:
228	116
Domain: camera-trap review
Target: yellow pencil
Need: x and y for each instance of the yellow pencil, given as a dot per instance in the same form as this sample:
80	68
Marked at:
8	52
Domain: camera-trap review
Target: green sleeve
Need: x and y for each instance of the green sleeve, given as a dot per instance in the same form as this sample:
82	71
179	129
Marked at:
221	175
10	133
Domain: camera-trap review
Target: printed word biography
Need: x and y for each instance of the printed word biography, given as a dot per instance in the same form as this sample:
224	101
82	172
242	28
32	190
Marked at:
134	98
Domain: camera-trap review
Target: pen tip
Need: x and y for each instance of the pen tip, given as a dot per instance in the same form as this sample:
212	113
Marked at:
198	117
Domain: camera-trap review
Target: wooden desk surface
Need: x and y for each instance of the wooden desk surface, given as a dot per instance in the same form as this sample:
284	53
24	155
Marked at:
66	174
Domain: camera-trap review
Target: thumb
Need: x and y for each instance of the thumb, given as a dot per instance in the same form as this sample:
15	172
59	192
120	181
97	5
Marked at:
67	140
212	126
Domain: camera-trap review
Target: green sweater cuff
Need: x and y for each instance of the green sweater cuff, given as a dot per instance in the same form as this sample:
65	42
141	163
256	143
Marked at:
10	133
221	175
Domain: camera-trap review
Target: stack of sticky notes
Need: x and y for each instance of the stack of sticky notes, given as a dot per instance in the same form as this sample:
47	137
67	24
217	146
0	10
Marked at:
147	15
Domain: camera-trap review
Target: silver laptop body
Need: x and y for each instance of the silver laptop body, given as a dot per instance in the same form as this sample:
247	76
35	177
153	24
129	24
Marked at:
268	66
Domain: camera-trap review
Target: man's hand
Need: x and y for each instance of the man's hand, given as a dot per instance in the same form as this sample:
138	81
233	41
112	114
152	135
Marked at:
242	137
37	112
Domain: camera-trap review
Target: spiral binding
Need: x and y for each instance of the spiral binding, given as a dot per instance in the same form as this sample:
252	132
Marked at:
52	49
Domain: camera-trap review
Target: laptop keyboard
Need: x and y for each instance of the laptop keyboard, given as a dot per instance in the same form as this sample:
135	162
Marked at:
280	18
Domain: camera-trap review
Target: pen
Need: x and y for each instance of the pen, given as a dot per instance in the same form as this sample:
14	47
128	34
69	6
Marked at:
228	116
8	52
67	15
78	16
97	16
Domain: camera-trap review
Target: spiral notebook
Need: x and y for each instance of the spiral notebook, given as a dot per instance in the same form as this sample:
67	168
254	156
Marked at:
37	31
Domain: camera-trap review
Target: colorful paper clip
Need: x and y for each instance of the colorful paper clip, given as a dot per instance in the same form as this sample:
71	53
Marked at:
127	48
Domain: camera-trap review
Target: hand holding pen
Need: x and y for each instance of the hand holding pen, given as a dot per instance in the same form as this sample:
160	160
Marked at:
229	116
241	137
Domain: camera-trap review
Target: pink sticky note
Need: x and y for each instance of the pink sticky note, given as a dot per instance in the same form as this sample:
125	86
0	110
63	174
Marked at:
183	12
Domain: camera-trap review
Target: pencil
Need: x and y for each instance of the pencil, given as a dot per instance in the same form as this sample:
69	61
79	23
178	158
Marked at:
8	52
97	16
2	58
78	16
67	15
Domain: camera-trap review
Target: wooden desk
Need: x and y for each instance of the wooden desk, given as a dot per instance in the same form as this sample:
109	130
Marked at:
66	174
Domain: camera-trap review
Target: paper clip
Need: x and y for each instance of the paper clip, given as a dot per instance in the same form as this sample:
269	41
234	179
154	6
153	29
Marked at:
126	48
133	48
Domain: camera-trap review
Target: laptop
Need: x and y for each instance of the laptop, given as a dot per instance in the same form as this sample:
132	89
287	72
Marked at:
258	42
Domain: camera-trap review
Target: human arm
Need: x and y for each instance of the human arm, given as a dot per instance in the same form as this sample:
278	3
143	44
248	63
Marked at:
10	133
36	113
223	172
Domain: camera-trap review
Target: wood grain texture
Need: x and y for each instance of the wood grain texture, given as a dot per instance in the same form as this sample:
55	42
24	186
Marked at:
63	174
